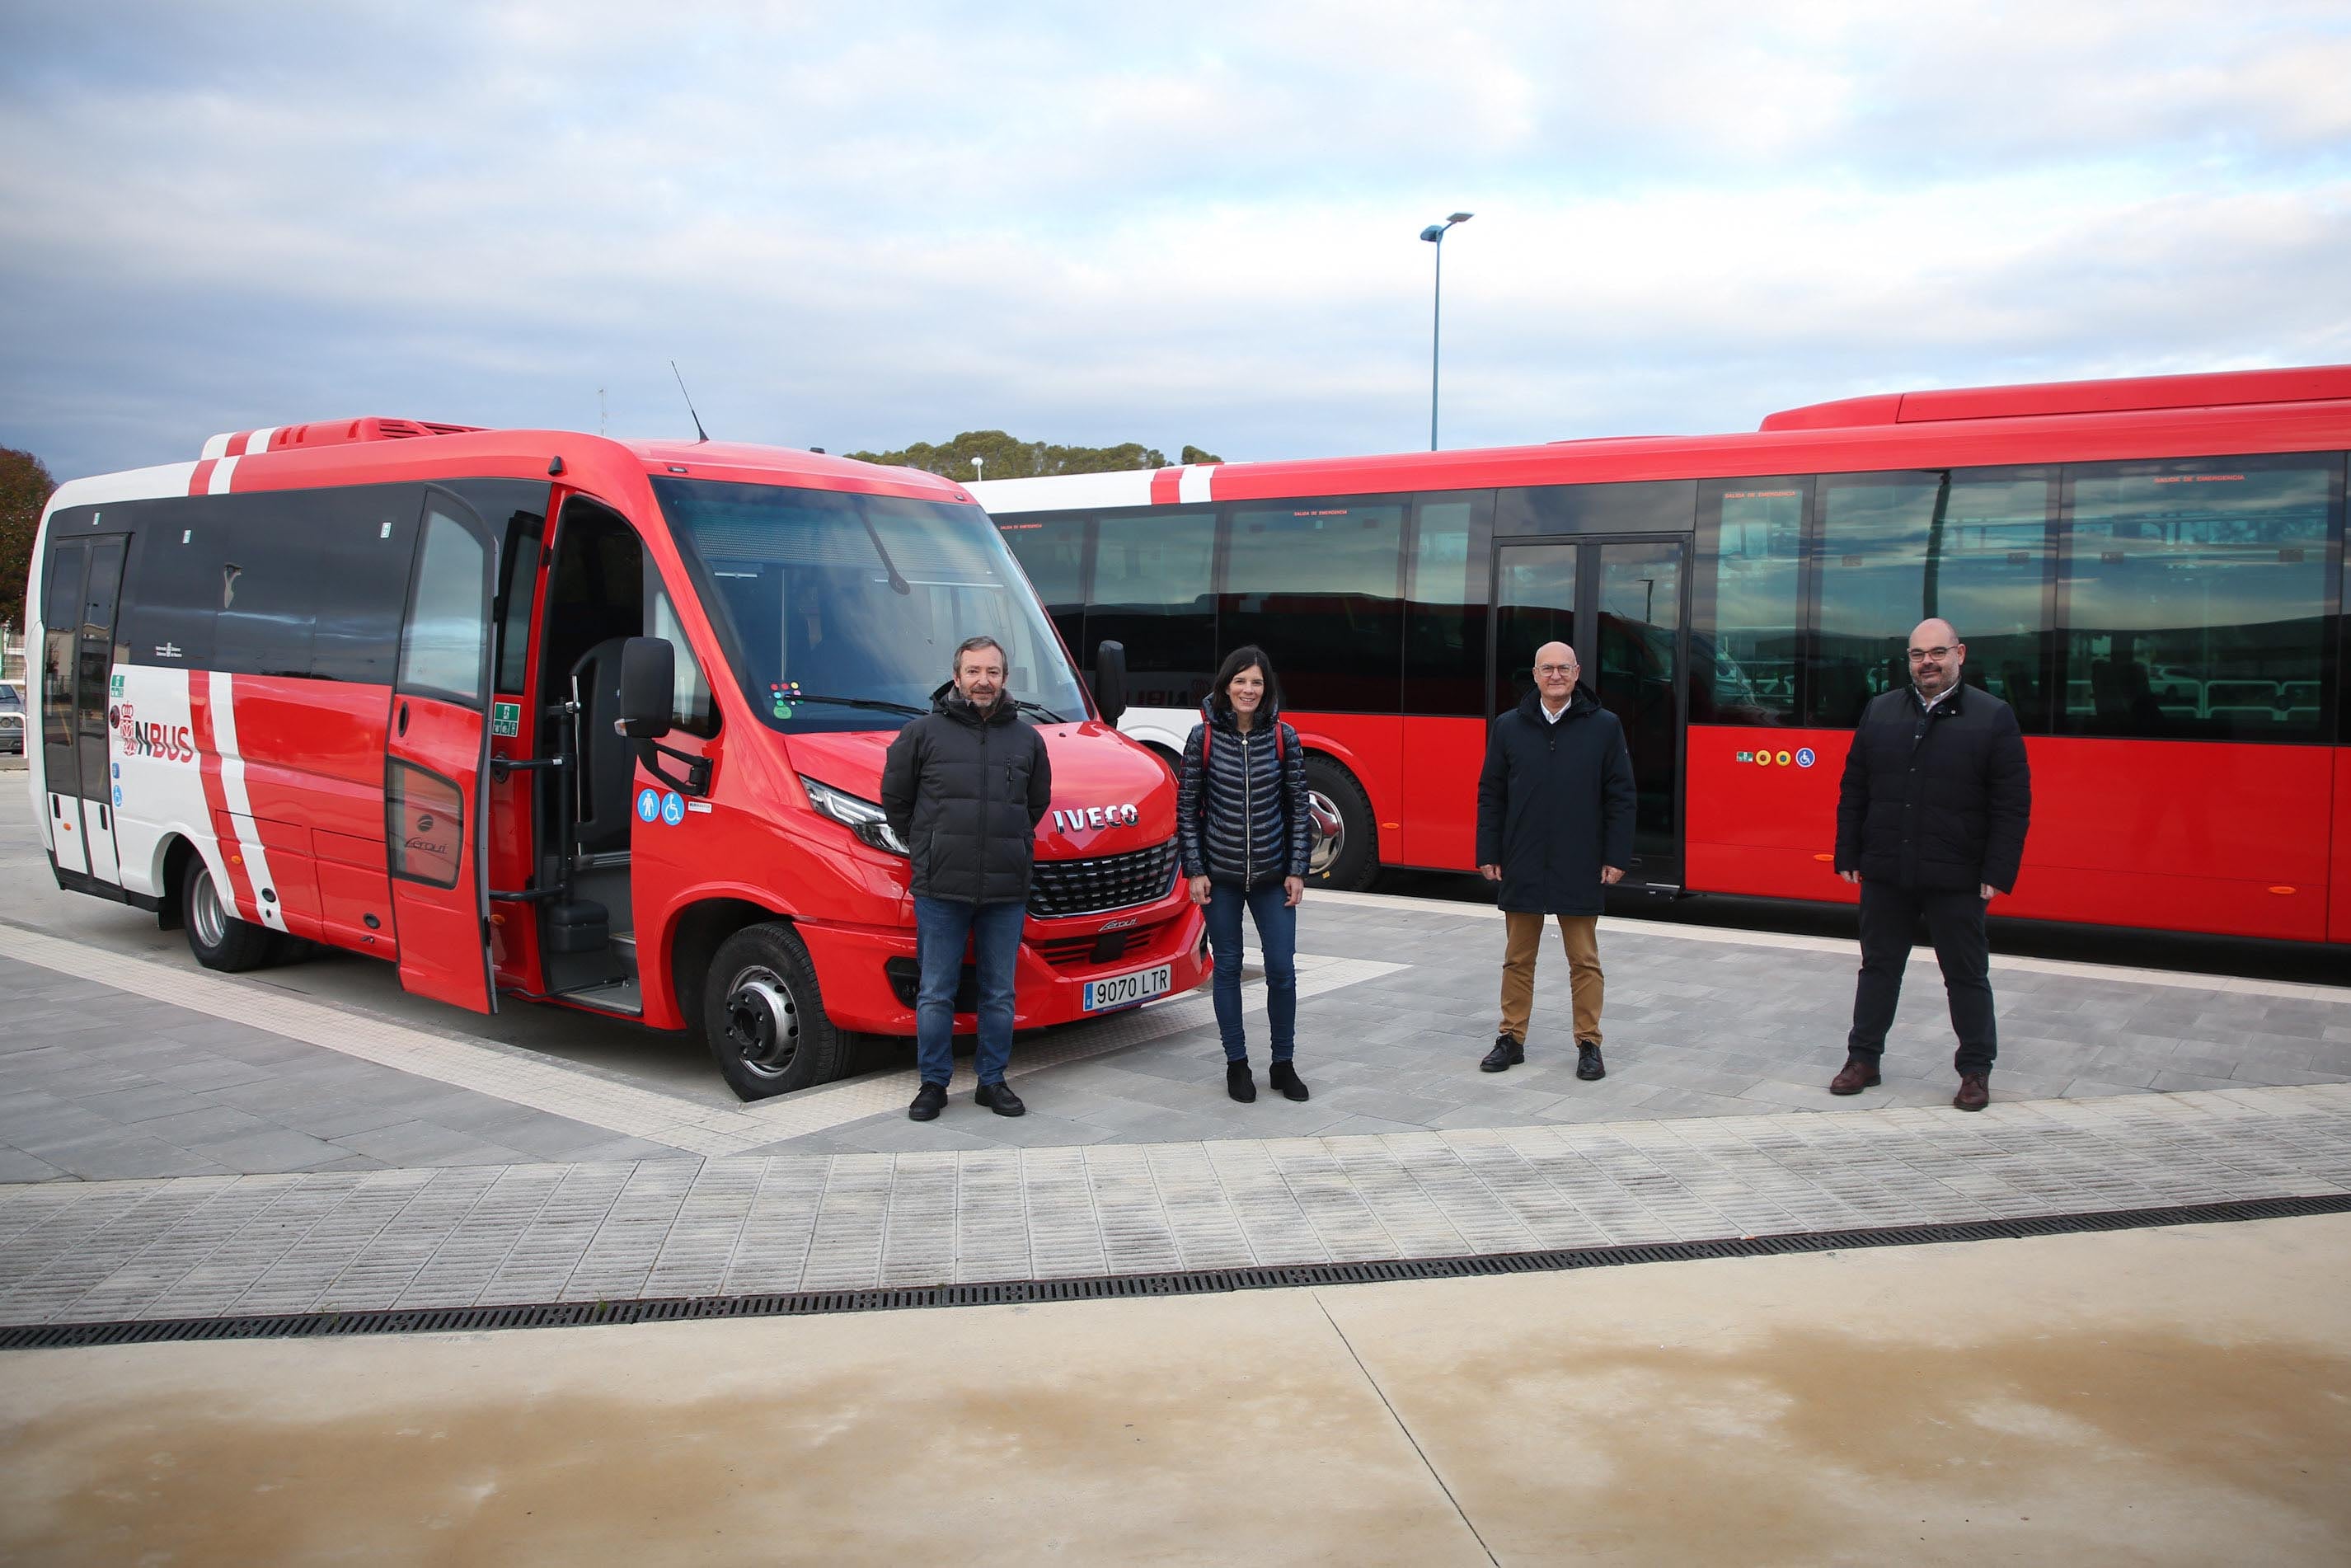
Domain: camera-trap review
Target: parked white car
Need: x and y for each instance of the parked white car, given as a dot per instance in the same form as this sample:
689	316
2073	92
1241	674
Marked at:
12	719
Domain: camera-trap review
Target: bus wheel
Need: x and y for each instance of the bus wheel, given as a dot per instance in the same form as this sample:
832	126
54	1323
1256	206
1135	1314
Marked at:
763	1017
218	939
1346	848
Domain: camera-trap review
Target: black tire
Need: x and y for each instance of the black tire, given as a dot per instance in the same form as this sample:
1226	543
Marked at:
285	947
763	1017
217	938
1348	861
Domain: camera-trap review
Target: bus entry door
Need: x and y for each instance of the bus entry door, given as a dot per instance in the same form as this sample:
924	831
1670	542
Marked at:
437	761
1620	604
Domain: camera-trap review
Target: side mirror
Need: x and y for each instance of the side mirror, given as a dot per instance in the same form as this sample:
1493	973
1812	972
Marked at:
1110	681
648	675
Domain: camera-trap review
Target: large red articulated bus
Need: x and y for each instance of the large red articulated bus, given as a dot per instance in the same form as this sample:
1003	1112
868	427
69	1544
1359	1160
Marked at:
2149	571
543	715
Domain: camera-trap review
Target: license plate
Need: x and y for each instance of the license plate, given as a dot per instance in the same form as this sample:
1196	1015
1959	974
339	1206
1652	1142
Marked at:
1124	990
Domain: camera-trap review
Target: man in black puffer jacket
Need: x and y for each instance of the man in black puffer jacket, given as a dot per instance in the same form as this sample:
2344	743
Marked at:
1555	805
963	787
1930	820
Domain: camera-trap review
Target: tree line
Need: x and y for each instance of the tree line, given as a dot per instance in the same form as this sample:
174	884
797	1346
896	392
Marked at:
24	488
994	454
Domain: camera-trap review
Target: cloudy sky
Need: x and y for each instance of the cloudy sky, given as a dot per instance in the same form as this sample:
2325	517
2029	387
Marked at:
859	227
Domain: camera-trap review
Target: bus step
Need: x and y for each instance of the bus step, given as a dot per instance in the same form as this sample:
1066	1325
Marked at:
619	997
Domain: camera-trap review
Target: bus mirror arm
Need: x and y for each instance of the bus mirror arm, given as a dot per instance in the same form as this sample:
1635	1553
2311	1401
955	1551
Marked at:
697	769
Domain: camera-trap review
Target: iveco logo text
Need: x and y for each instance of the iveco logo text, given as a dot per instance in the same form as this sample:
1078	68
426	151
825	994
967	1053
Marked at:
1096	817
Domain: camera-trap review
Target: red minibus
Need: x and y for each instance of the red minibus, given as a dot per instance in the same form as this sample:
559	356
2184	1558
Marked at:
542	715
2150	571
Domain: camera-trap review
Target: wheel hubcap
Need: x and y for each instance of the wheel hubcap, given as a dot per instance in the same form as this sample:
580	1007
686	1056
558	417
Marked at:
763	1025
1329	832
205	911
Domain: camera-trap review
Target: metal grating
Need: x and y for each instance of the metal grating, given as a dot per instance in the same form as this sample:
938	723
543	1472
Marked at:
1060	889
1122	1286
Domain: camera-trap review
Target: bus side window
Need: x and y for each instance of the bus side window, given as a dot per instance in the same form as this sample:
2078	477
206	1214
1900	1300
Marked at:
691	708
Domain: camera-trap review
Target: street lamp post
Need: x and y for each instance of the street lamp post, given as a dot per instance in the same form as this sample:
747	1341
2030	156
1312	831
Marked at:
1435	234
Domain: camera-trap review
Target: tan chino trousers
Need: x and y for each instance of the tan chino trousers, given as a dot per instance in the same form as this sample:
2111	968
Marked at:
1580	935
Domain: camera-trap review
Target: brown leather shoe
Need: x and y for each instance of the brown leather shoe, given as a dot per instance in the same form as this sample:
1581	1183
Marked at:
1860	1073
1975	1092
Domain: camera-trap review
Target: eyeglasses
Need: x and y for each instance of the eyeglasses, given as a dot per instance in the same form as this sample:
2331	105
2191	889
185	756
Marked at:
1554	669
1920	655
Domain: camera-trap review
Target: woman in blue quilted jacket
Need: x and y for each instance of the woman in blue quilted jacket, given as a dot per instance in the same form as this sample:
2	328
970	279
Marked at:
1241	820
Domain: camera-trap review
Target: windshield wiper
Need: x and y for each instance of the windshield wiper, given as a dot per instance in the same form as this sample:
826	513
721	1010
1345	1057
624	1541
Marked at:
898	585
1040	709
883	704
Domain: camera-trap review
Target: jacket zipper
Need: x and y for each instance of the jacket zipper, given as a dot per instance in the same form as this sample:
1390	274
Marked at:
1248	819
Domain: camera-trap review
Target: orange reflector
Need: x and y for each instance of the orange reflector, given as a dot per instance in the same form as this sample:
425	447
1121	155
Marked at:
1391	824
236	859
1830	859
2287	890
500	918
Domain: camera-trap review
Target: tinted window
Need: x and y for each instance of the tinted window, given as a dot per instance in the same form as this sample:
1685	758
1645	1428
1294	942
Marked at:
1970	546
174	593
424	815
449	613
1445	613
515	509
1151	592
1665	506
1313	583
1744	621
61	631
1053	552
2196	596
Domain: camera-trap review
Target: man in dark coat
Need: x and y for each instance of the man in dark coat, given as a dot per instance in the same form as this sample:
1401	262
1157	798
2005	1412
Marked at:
1930	821
1555	826
963	787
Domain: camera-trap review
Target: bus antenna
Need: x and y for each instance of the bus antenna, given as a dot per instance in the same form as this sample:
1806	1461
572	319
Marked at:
703	434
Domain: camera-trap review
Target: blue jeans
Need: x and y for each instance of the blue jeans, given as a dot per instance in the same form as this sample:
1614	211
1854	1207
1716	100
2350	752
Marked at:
1276	934
942	925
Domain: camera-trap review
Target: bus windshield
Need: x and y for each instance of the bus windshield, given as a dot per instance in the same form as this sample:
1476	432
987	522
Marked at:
842	612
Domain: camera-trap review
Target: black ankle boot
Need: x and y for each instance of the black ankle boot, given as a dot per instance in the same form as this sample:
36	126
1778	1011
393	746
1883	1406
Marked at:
1237	1082
1284	1077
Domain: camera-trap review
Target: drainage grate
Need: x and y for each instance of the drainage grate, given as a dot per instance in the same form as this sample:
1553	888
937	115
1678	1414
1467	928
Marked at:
1122	1286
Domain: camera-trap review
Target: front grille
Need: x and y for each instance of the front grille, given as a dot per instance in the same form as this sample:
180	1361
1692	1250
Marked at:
1095	886
1085	952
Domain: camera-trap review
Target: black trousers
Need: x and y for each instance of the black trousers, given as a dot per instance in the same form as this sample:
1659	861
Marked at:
1955	925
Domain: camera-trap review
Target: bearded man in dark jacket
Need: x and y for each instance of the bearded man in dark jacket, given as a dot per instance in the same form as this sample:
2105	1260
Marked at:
1555	804
963	787
1931	815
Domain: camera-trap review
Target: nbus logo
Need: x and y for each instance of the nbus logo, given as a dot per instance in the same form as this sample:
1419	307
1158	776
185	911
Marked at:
172	743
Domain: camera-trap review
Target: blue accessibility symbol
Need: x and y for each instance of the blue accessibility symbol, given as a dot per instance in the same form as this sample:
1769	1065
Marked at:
649	805
1805	758
118	794
673	808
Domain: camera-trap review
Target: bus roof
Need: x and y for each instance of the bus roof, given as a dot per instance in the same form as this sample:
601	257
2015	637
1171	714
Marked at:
2219	389
377	450
2307	409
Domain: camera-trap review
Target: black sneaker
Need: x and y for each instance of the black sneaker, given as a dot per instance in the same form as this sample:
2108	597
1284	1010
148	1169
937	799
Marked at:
1588	1065
929	1100
1506	1053
1239	1083
1000	1098
1284	1077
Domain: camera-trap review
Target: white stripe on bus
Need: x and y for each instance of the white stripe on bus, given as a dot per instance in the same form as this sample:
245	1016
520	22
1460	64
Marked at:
240	804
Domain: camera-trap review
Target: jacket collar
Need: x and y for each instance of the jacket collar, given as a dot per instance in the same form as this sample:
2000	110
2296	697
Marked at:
955	706
1578	701
1950	699
1219	717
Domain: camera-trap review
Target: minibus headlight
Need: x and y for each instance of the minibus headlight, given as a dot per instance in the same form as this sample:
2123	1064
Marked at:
861	817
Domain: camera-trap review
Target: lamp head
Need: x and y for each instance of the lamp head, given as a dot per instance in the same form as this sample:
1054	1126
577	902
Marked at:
1461	217
1433	231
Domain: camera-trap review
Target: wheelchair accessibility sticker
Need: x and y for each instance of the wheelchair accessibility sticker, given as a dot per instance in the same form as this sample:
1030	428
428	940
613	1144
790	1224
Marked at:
1805	758
673	808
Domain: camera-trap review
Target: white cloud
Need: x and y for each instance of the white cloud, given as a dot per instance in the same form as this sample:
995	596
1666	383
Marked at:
865	229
